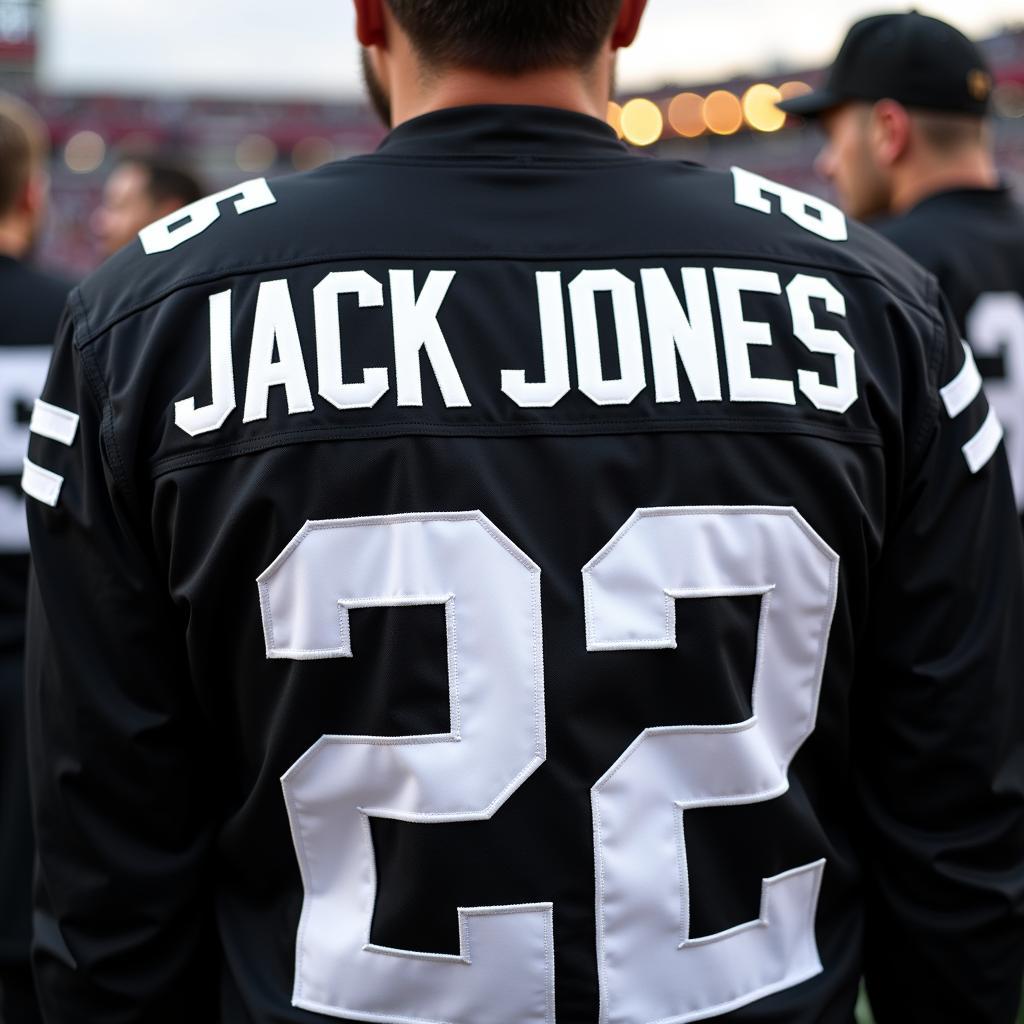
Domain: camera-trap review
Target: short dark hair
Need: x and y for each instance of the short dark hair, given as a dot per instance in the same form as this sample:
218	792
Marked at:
167	179
24	145
950	133
507	36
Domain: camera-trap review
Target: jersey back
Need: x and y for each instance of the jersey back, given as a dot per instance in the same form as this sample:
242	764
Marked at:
516	511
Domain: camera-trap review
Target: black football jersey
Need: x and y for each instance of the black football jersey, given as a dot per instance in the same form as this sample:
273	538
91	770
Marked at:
973	241
31	303
504	580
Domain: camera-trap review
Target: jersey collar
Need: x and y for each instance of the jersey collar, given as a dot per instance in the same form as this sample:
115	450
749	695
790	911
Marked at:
516	131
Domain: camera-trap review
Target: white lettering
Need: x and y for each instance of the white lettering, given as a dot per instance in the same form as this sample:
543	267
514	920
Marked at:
840	396
417	329
328	341
195	421
633	378
275	327
682	335
555	386
740	334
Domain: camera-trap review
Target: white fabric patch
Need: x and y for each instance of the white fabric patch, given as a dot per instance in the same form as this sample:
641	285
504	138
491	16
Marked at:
490	590
55	423
964	388
41	484
979	450
650	967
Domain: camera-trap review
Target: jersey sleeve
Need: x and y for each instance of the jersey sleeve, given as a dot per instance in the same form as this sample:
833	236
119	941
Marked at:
117	755
939	722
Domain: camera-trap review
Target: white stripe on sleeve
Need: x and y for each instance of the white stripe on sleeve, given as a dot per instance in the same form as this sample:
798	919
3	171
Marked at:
964	388
54	422
41	484
980	449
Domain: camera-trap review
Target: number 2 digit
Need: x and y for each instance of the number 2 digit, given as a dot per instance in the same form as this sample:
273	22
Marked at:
650	967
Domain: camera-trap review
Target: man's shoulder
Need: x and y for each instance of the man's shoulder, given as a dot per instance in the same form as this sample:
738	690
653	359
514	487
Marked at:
32	301
367	209
803	230
255	225
30	283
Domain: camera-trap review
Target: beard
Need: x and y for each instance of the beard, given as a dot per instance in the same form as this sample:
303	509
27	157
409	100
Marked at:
379	99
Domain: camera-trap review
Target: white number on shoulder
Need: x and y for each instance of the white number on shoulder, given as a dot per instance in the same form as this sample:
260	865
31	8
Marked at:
191	221
810	212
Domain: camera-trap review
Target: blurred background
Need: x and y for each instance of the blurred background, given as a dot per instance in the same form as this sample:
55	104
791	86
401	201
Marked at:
242	88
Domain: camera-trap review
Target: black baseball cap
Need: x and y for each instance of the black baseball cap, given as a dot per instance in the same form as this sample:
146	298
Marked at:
911	58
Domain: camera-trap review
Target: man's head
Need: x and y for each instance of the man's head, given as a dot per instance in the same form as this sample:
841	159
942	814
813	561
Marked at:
140	190
412	46
24	185
904	112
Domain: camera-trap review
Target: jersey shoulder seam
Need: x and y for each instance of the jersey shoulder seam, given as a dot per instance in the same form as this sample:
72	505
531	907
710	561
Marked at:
313	435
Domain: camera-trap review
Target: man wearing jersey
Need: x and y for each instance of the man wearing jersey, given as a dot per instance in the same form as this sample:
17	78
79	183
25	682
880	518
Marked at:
30	302
909	149
501	580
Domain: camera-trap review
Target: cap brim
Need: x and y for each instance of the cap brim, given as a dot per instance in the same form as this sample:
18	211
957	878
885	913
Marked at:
811	104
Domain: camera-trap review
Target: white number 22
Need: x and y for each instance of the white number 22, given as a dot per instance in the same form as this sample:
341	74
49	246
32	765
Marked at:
650	967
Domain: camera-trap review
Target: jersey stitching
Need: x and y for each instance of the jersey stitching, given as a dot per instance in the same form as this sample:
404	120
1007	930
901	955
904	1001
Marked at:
169	464
212	277
934	357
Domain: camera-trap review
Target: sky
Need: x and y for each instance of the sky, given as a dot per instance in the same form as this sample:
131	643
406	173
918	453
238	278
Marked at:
307	47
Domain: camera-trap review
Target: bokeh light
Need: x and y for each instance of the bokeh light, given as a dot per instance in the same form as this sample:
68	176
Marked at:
615	117
760	108
686	115
255	154
723	113
790	90
1008	99
85	152
642	122
311	153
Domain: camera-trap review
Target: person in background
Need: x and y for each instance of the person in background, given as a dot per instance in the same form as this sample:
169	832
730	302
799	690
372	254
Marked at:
906	111
30	307
140	190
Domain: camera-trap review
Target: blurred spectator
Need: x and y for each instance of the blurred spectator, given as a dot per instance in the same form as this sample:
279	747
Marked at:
30	304
140	190
907	114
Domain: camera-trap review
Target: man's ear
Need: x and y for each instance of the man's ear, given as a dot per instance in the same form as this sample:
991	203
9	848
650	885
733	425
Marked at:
370	22
32	200
628	23
890	131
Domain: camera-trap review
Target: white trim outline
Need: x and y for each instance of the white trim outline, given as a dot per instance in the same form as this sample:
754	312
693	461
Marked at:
650	968
490	591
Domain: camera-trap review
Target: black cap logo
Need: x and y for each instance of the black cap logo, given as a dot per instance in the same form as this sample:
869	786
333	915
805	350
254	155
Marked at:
979	84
